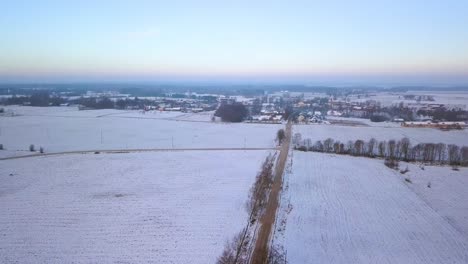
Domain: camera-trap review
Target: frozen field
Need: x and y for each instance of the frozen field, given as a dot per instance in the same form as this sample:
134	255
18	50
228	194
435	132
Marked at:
356	210
447	195
450	98
416	135
169	207
67	129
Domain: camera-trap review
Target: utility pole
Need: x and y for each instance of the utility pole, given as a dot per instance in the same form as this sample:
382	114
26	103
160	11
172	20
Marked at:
101	136
172	142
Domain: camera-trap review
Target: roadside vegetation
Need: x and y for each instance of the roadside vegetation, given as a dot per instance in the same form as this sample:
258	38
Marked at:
239	249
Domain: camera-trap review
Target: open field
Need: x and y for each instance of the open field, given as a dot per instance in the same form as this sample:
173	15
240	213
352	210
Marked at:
449	98
447	193
356	210
172	207
67	129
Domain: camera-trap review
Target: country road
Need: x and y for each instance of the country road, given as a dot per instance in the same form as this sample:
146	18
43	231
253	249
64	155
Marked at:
260	254
128	151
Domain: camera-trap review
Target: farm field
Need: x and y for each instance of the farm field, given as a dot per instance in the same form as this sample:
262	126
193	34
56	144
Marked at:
446	194
345	209
450	98
165	207
67	129
416	135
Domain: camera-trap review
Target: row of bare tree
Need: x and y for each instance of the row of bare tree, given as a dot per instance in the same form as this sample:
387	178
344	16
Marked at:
402	149
238	250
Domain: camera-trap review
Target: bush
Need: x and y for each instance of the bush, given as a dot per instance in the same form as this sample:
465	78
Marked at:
302	148
391	163
405	170
41	150
1	146
32	148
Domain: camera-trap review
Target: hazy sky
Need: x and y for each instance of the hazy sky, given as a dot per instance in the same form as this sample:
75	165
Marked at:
398	40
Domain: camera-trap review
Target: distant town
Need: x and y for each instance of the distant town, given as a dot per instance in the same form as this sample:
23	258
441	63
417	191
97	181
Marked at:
409	108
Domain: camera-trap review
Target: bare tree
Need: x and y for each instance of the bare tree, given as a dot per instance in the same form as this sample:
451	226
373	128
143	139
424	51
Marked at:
453	154
382	148
328	145
280	136
391	148
405	147
429	152
350	147
358	147
336	147
464	155
440	152
297	138
370	147
318	146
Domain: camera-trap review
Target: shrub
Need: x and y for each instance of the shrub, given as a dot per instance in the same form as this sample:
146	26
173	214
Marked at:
391	163
32	148
41	150
408	180
1	146
405	170
302	148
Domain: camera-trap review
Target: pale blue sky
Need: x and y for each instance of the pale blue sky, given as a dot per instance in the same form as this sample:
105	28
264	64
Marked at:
303	40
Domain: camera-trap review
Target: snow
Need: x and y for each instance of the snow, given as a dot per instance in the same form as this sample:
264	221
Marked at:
164	207
449	98
356	210
67	129
416	135
447	194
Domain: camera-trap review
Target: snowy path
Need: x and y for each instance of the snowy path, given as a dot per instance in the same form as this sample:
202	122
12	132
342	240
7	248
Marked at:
355	210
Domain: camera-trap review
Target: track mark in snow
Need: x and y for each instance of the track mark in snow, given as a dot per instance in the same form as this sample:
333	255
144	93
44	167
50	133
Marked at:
355	210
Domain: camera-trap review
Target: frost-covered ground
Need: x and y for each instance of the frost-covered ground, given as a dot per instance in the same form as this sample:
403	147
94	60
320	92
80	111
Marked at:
447	193
356	210
416	135
67	129
449	98
165	207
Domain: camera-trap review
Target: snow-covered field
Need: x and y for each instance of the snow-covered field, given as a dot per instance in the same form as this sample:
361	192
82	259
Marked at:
165	207
447	194
457	99
67	129
356	210
416	135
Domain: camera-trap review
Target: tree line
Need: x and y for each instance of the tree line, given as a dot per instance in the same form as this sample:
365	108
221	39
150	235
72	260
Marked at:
402	150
